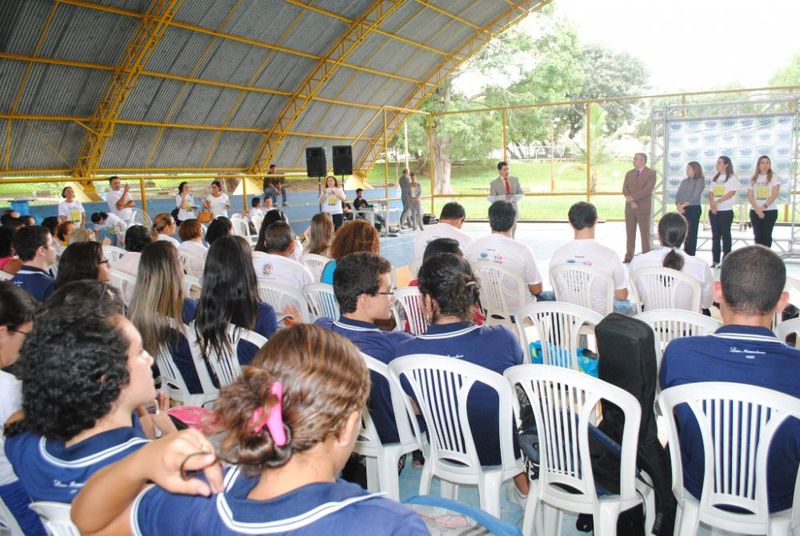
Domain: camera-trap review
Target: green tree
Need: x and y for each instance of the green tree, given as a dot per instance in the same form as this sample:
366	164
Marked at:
789	75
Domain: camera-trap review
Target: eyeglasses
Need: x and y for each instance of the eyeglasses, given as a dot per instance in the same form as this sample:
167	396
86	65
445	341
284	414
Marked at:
390	292
13	330
104	261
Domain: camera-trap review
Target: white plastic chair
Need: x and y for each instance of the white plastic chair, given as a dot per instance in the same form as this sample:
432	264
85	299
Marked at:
257	220
315	264
192	264
8	523
5	276
735	470
55	518
124	282
559	327
574	283
192	286
497	284
382	458
241	227
113	253
322	300
408	301
172	381
659	287
789	327
670	324
441	386
565	403
226	365
279	296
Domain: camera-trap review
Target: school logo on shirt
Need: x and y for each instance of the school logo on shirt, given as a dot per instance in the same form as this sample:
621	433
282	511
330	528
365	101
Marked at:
267	269
494	257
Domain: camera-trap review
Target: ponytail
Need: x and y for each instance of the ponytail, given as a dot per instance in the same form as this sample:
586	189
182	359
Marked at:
672	231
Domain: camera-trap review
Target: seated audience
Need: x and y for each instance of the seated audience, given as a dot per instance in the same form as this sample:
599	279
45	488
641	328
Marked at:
9	216
62	235
51	223
271	217
289	425
36	249
82	260
352	237
9	262
113	226
136	239
191	235
320	234
450	221
449	294
277	264
220	226
163	228
84	377
501	247
363	290
744	350
230	296
585	250
672	231
256	211
16	321
80	234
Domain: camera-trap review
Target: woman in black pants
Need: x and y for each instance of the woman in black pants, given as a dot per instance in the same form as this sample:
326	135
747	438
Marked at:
721	200
687	201
763	192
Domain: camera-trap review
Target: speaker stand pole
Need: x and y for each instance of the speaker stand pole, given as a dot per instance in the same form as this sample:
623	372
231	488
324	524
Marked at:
319	191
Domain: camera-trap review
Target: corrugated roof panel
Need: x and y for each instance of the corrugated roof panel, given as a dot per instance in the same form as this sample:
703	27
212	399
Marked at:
235	149
232	62
130	5
3	126
60	90
285	72
178	52
182	147
206	14
151	99
316	33
45	144
398	23
128	147
11	76
480	15
351	10
258	110
204	105
362	84
21	23
384	54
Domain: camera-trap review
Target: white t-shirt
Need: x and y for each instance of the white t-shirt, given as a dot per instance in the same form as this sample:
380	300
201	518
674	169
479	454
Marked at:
113	225
721	187
589	252
10	401
763	189
72	211
167	238
129	263
514	256
125	214
692	266
185	212
196	253
219	205
282	270
332	204
440	230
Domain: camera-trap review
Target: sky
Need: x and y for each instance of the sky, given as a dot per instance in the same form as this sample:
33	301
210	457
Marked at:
693	44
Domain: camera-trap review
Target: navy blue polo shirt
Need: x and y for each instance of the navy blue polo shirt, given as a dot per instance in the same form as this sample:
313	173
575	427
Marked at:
36	281
739	354
382	345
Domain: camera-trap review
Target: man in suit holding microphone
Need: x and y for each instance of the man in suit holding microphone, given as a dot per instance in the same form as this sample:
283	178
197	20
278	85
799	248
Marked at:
505	187
638	190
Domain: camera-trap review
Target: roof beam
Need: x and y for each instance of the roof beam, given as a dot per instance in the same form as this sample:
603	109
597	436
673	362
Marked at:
453	16
348	42
150	31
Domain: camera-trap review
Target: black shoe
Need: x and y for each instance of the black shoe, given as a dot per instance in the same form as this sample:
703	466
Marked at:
418	460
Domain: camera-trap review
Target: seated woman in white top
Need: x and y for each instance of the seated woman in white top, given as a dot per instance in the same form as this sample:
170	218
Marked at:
217	201
136	238
289	424
672	231
163	228
184	202
192	249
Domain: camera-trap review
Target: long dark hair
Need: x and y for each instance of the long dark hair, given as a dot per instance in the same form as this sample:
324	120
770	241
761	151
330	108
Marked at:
80	260
448	280
728	168
269	218
672	232
229	295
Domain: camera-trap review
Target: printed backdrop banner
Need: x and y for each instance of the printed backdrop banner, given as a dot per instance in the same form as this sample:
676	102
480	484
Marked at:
743	139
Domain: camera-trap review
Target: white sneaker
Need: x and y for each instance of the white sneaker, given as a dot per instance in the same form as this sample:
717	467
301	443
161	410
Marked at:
515	496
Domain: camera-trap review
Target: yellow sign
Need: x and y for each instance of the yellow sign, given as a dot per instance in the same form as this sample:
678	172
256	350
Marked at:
332	200
719	190
762	192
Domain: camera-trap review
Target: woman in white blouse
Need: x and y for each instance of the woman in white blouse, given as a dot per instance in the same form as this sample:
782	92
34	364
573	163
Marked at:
762	193
331	200
721	199
185	202
163	228
217	201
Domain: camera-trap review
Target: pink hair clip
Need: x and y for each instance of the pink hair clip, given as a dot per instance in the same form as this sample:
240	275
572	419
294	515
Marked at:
273	420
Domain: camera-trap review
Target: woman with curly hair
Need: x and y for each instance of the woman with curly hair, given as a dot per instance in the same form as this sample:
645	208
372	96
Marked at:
230	296
289	425
353	237
449	293
84	374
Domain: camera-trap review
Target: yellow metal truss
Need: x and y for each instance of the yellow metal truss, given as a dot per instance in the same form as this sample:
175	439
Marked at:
347	43
152	28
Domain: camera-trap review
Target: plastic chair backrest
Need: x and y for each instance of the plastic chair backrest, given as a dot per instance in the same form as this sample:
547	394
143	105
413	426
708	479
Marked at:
659	287
315	264
559	326
574	283
670	324
256	220
192	264
279	296
441	386
322	300
124	282
737	424
5	276
241	226
497	284
226	364
172	381
788	327
565	404
113	253
55	518
210	391
192	286
409	301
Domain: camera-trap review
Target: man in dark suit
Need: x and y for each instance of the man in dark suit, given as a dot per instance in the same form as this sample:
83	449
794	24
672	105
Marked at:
638	190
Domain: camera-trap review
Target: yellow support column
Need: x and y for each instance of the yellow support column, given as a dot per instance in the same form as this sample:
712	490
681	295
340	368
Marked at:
431	164
386	168
244	195
142	193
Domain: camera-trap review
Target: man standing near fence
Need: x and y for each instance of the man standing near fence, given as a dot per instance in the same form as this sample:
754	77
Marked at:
505	187
638	191
405	197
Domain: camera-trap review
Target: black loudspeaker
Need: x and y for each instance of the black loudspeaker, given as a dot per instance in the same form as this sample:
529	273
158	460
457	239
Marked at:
342	159
316	165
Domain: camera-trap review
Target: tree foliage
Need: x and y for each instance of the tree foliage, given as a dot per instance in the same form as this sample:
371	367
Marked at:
788	75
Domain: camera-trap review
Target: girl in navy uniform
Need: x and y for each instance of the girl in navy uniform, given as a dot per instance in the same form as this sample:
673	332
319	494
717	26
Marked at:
289	422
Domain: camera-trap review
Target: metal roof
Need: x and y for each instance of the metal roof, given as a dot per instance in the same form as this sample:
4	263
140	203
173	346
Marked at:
89	87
